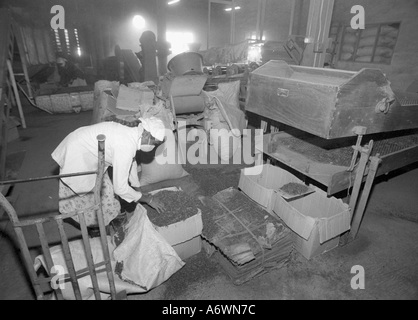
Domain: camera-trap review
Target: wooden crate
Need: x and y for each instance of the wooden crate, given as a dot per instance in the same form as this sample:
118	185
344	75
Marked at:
328	103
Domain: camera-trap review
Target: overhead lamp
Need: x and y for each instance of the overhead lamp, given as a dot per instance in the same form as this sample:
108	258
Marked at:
230	9
172	2
139	22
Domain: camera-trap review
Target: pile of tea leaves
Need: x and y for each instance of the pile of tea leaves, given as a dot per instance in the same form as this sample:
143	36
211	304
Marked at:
178	207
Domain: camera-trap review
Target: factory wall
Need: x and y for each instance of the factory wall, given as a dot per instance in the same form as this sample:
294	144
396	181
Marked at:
190	16
276	20
403	69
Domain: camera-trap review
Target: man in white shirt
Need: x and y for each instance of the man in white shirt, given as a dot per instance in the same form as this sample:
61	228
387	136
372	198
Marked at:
78	152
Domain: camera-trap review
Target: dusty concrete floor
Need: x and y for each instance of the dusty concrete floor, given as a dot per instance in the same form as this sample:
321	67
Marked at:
387	244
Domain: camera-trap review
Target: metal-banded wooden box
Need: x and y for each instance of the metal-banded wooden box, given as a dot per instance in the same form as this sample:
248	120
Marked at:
328	103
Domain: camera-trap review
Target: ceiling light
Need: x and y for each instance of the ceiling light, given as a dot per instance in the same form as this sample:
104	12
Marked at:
139	22
173	2
230	9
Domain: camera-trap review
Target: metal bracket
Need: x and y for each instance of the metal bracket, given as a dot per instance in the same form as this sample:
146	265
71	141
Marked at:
359	131
358	209
383	106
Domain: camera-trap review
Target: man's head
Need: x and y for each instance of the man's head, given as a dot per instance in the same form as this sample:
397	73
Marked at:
61	62
153	134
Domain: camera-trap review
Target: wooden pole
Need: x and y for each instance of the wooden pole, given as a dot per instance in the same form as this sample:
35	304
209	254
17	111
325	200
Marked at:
16	92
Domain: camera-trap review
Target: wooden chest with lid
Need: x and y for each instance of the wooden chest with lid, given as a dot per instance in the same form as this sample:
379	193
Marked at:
328	103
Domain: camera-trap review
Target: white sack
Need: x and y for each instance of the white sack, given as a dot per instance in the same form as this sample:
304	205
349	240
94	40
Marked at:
80	262
148	260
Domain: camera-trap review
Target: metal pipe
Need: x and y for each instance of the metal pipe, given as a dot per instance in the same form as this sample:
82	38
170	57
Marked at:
47	177
292	17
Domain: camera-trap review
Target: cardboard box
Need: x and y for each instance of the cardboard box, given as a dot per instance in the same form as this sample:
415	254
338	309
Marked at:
261	187
316	220
184	236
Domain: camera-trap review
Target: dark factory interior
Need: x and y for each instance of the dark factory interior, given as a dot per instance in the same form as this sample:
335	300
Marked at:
222	150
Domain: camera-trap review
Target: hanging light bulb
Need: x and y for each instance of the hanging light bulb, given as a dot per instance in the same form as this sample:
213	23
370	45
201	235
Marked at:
139	22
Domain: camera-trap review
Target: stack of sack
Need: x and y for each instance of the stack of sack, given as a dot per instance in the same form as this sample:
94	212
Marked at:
349	42
386	44
384	40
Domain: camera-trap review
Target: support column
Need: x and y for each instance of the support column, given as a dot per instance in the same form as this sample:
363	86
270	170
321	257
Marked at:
149	49
162	45
317	32
261	12
232	36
